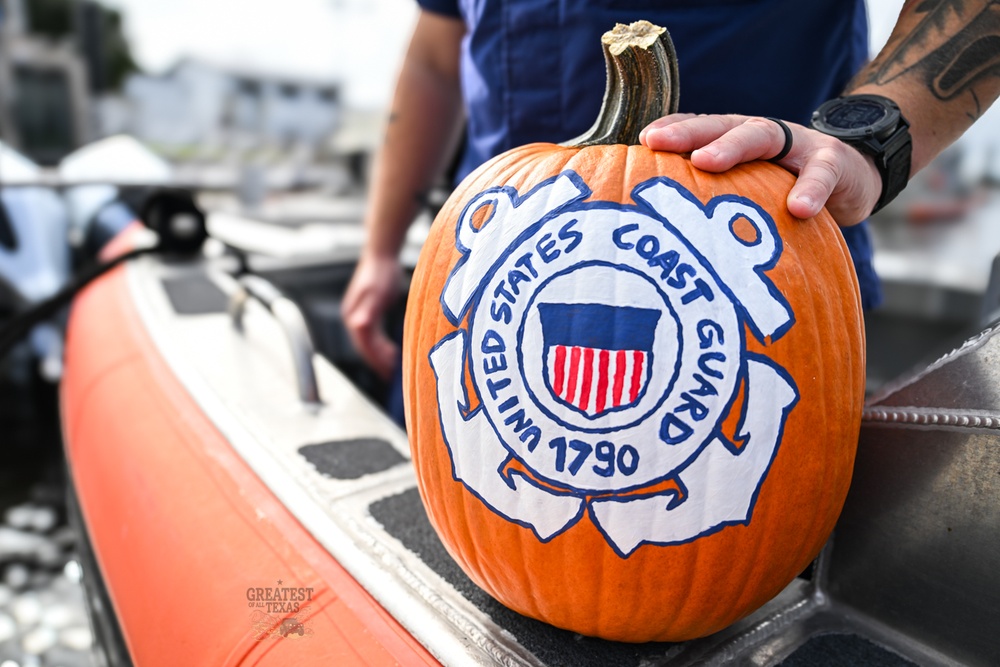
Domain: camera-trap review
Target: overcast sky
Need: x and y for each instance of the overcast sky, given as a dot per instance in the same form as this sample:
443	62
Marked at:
357	41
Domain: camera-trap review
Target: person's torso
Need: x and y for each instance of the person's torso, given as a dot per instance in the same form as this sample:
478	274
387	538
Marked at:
534	70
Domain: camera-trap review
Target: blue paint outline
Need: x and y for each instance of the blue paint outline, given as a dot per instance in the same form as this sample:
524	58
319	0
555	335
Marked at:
467	415
760	269
670	385
714	432
463	408
675	501
642	207
748	244
516	200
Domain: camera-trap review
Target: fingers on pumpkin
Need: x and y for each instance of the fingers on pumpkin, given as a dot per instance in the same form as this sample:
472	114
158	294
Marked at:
753	139
813	188
659	131
683	133
840	178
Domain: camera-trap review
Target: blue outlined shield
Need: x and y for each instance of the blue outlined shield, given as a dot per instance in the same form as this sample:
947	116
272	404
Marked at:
597	357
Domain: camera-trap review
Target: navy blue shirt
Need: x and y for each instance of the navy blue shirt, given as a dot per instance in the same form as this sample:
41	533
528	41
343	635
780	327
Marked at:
533	70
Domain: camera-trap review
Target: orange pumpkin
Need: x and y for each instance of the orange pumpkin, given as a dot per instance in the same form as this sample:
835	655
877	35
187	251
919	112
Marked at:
633	388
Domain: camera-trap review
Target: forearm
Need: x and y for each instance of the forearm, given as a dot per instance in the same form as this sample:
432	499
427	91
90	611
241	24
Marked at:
420	136
940	65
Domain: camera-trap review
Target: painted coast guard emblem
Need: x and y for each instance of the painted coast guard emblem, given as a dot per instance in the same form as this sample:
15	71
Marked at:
605	345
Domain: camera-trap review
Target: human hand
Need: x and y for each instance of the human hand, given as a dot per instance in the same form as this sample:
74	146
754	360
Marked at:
373	289
830	172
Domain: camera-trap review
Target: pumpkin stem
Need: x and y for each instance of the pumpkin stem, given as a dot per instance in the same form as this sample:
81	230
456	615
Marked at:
642	84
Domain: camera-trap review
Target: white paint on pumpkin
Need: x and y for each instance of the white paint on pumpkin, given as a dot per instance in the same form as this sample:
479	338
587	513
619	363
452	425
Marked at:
666	286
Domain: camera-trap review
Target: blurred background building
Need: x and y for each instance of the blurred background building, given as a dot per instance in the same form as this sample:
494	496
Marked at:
220	85
197	107
45	88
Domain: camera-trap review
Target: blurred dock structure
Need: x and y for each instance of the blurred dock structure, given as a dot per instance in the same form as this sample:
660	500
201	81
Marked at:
45	96
937	251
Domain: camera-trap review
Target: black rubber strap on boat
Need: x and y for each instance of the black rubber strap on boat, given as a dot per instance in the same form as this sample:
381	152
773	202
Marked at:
21	324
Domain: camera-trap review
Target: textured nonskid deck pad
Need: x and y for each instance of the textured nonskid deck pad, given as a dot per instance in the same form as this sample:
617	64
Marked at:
404	518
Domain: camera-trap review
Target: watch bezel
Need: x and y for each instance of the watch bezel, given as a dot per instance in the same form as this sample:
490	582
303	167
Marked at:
879	130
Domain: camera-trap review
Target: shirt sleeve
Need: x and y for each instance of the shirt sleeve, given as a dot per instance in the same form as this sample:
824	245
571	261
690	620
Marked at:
444	7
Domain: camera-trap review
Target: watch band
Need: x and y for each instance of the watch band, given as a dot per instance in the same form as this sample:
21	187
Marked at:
892	160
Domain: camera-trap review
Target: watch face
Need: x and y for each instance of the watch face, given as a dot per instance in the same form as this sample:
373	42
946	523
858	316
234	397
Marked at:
855	115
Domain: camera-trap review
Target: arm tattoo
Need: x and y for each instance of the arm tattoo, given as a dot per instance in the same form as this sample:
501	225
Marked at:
953	47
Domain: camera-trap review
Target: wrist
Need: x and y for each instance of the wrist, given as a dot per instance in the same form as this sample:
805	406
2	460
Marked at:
874	126
873	195
384	259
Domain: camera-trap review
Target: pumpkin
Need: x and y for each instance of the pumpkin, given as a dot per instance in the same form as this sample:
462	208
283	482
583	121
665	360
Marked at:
633	389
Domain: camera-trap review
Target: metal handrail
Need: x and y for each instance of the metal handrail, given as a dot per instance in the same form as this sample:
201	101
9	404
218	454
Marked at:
293	324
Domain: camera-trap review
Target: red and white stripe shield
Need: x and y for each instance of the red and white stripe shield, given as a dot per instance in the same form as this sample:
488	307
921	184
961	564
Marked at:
597	356
596	380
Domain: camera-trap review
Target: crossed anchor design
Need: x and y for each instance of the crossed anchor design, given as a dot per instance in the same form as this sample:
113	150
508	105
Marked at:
539	462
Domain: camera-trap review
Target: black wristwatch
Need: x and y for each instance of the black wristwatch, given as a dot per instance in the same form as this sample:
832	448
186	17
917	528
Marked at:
873	125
